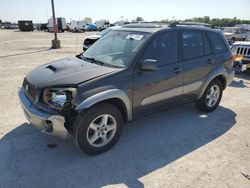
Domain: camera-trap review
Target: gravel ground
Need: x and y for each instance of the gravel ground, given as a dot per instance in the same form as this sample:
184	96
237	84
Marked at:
178	147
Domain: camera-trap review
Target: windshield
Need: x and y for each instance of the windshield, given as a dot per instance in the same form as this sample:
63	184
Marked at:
230	30
116	48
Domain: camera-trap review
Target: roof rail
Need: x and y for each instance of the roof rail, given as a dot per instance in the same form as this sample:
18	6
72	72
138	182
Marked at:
142	25
175	24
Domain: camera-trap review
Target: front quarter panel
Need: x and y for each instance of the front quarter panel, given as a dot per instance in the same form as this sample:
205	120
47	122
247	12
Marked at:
114	86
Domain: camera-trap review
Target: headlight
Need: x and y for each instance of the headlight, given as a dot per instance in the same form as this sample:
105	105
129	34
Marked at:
233	49
58	98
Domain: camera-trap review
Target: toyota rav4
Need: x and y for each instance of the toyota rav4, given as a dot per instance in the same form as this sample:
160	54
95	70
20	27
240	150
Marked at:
131	71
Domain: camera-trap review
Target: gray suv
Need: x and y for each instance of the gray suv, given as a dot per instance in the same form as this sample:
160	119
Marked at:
131	71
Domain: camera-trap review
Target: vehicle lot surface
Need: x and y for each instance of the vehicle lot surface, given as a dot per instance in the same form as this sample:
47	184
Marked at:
178	147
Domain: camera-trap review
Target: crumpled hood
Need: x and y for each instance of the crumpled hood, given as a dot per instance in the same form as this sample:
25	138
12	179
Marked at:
68	71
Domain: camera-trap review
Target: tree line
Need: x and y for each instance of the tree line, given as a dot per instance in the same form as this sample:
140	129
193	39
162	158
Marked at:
221	22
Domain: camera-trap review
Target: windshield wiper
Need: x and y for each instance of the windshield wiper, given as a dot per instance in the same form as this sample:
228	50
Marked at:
93	60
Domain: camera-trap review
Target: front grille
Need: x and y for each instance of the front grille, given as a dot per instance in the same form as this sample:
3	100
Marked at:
243	51
30	90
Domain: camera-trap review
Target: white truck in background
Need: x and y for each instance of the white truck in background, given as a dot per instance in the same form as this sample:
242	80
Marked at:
61	23
77	26
102	24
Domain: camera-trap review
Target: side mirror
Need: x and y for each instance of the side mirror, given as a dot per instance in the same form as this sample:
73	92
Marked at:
149	65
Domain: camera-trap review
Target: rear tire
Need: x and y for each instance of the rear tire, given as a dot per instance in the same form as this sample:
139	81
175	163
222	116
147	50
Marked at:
211	97
98	129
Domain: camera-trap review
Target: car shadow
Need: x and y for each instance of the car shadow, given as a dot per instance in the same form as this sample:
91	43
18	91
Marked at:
244	75
147	144
238	84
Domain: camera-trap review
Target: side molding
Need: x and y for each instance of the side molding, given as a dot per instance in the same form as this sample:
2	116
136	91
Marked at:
109	94
162	96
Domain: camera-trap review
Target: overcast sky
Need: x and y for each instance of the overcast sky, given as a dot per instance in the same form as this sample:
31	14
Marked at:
113	10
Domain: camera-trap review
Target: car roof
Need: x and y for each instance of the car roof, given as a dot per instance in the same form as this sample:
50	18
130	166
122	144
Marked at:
140	27
153	27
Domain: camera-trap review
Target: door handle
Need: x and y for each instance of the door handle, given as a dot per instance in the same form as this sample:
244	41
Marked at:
210	61
177	70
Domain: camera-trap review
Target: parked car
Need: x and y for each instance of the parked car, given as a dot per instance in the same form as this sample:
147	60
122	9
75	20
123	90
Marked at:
129	72
102	24
10	26
61	24
42	27
241	50
25	25
121	23
91	27
89	40
245	26
235	34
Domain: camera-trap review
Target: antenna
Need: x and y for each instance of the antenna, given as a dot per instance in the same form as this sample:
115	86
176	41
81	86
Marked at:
77	35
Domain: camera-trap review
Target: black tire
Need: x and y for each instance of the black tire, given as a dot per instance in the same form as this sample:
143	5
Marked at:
83	121
202	105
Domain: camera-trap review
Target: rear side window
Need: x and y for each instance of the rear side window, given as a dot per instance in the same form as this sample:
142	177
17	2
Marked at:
192	44
217	43
164	49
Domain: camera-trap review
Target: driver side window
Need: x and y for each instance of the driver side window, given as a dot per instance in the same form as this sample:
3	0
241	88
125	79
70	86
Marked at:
164	49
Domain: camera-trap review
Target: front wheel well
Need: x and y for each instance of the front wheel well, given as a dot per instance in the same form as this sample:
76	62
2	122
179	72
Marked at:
118	103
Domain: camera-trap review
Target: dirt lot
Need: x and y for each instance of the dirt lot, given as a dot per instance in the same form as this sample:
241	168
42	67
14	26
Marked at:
178	147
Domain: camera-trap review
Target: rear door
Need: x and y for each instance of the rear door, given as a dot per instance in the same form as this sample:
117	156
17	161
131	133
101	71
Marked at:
221	49
198	60
156	89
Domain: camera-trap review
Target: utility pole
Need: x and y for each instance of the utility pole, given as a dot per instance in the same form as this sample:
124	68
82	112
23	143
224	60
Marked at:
55	43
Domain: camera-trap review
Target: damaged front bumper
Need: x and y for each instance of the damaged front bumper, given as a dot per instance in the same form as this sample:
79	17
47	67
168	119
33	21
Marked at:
46	122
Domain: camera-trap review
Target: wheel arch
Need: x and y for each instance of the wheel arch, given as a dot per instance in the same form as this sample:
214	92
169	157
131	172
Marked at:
114	96
220	74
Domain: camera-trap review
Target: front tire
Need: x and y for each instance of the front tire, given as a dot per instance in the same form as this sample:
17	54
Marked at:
211	97
98	129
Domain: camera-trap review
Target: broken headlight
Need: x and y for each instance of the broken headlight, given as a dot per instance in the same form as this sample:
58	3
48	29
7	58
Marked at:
58	98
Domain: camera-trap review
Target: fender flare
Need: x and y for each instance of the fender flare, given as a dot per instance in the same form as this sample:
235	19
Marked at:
220	71
108	94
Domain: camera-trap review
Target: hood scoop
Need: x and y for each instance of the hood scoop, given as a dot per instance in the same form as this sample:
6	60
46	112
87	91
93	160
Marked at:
51	69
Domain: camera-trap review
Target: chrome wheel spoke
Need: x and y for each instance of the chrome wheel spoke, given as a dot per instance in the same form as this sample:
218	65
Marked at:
210	102
209	96
104	120
104	138
212	91
110	127
94	138
93	126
